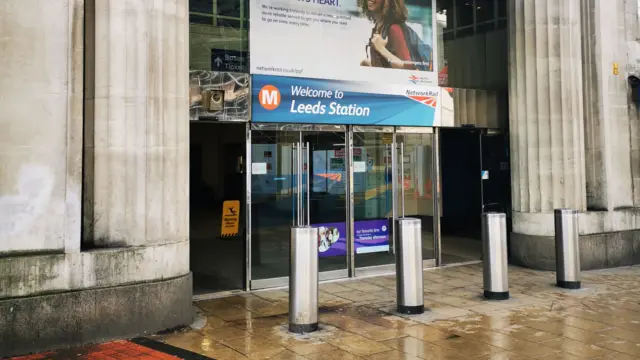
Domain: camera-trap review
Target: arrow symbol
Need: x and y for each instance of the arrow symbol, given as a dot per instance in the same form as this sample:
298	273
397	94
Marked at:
218	61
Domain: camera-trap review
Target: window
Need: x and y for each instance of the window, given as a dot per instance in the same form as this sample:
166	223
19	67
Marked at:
471	17
502	8
224	13
464	13
473	45
219	32
485	11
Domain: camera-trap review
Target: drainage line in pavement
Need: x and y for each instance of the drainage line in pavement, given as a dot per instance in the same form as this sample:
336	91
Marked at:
168	349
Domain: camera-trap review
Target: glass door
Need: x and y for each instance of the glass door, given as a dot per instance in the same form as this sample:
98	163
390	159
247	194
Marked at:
297	178
327	205
415	190
372	159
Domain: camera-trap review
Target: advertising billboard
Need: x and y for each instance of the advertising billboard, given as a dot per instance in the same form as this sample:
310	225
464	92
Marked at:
366	62
375	41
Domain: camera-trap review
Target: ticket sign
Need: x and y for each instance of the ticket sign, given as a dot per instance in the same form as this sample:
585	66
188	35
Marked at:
230	218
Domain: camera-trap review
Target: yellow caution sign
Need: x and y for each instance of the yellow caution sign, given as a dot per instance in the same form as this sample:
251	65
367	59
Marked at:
387	138
230	218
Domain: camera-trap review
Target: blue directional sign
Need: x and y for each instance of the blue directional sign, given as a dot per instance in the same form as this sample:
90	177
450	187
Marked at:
229	60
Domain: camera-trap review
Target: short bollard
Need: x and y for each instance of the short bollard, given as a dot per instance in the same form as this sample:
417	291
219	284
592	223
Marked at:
303	280
494	251
567	249
409	284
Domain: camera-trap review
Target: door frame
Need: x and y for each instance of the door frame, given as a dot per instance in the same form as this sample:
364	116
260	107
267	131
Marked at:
435	172
350	271
386	269
257	284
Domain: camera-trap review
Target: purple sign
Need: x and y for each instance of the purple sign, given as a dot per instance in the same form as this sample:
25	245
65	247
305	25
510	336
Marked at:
370	236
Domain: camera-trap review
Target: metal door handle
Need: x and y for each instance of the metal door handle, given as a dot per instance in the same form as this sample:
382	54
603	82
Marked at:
300	187
402	176
394	196
294	160
308	187
386	177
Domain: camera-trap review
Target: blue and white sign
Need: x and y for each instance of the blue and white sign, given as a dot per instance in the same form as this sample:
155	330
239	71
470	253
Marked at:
301	100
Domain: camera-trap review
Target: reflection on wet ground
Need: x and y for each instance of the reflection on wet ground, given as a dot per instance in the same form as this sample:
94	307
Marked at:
540	321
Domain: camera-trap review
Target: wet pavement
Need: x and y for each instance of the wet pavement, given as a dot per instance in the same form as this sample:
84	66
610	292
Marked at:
358	321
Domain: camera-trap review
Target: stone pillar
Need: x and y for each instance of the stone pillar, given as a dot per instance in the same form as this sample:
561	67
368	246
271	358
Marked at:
137	129
607	122
632	34
546	122
40	126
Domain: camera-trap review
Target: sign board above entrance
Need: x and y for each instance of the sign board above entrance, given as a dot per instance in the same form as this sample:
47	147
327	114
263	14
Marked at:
299	100
374	41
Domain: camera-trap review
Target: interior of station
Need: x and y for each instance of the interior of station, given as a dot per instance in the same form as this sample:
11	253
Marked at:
473	177
217	174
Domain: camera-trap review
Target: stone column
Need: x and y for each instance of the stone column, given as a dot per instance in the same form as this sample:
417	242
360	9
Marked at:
632	48
137	129
546	121
607	122
40	126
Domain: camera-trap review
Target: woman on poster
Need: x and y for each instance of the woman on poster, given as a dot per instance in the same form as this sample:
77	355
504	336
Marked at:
393	44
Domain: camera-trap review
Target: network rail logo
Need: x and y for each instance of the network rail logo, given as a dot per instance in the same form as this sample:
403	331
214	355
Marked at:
430	101
427	97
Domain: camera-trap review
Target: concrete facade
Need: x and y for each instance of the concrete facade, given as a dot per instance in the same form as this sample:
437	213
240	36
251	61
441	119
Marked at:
114	103
573	136
94	154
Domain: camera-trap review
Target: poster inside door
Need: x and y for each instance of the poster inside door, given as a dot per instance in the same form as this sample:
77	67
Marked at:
370	236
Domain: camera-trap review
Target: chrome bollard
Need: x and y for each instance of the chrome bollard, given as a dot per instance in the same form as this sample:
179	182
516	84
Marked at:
494	251
303	280
409	284
567	248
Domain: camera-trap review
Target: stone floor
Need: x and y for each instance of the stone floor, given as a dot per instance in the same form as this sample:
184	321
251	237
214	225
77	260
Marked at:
540	321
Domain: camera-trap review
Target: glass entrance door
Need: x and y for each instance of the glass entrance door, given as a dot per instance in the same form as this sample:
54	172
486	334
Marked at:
393	177
350	185
372	158
415	194
327	195
298	177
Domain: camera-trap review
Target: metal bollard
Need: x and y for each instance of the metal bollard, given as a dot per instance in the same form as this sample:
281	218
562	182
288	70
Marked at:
303	280
494	251
567	249
409	284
